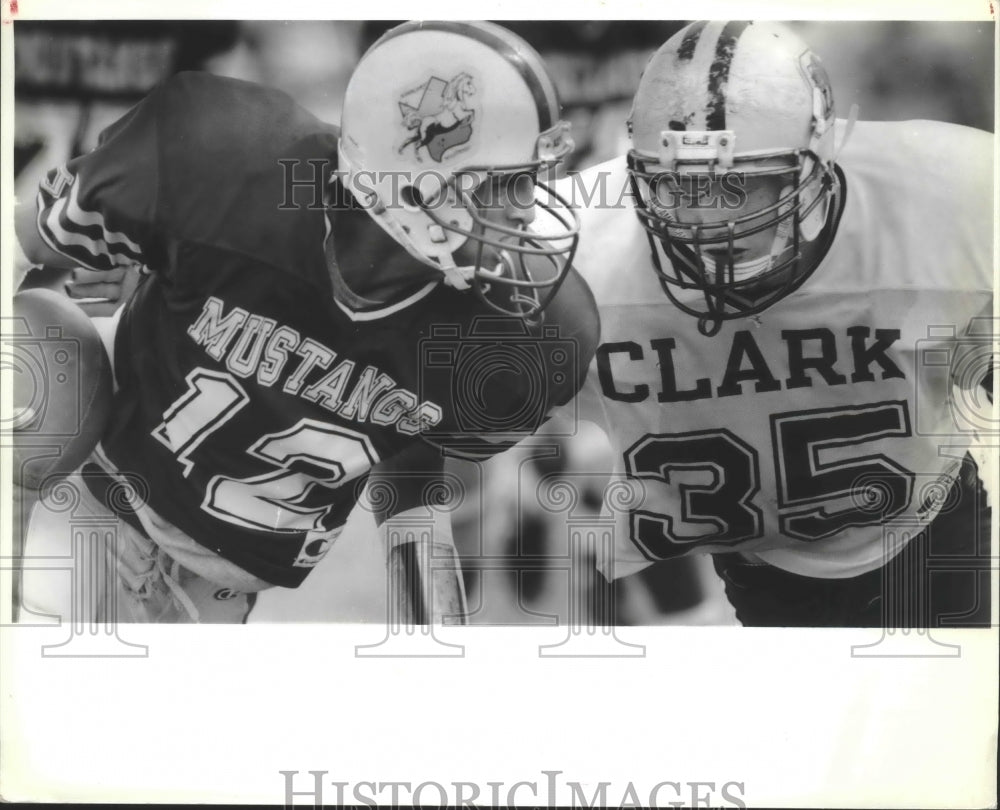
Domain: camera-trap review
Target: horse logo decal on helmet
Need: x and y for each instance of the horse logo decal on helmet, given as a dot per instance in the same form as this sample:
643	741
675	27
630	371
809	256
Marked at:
438	115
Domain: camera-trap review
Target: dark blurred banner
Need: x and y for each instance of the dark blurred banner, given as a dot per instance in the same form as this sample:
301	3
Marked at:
110	60
71	79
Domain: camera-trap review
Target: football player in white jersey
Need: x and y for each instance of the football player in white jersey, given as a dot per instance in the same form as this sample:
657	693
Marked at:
784	311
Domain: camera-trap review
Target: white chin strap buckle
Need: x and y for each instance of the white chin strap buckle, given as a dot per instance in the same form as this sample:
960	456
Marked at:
457	277
742	271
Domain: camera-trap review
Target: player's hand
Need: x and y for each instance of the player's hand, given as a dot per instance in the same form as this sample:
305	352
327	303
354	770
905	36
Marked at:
100	293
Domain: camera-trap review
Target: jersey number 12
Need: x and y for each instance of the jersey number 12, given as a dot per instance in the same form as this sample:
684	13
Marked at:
273	500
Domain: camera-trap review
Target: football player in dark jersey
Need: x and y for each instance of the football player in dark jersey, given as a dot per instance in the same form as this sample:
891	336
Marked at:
303	291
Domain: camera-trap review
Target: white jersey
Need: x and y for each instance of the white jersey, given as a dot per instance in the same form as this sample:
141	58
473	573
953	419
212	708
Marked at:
801	434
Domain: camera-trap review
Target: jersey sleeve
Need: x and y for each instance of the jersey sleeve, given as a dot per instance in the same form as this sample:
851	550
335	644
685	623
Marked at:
965	183
951	169
972	357
99	209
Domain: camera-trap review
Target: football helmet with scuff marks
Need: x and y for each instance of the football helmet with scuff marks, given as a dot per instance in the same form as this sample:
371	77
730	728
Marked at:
732	165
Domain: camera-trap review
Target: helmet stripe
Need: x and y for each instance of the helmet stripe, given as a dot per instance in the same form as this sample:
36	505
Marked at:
718	73
686	50
515	50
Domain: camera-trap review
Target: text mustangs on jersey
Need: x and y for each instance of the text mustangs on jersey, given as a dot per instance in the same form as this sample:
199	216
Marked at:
264	348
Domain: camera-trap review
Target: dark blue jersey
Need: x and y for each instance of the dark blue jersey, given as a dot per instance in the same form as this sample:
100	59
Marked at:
250	401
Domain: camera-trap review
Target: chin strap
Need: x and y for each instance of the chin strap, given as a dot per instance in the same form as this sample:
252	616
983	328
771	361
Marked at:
756	267
458	277
454	276
852	119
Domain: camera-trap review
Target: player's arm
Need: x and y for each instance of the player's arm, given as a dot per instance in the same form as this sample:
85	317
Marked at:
98	293
97	213
33	249
423	565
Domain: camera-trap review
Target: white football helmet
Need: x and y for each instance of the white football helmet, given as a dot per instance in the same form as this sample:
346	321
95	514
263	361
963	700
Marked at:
723	104
435	110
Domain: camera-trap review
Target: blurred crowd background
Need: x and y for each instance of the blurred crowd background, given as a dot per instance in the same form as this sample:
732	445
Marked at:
74	78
